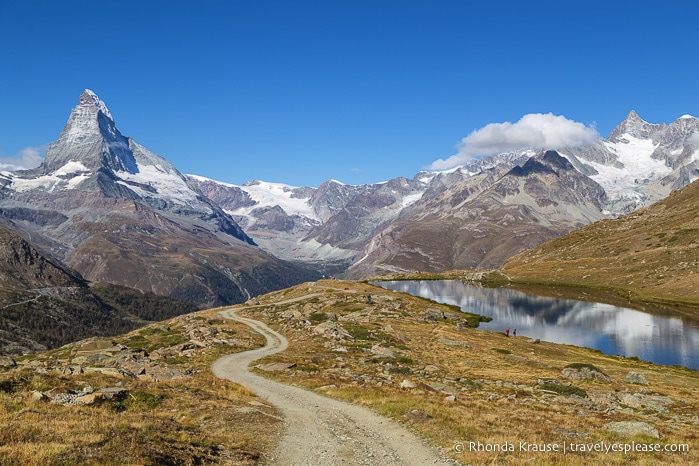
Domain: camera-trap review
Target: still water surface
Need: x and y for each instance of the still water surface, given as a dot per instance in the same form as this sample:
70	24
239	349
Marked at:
610	329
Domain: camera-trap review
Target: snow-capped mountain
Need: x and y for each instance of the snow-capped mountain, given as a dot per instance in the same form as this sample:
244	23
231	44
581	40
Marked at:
640	163
473	216
117	212
325	224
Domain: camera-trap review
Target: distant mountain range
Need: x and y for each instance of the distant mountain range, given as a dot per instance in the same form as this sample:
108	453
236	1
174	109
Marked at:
472	217
116	212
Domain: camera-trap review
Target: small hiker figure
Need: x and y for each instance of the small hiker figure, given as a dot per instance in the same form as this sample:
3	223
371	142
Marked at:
514	333
368	299
507	332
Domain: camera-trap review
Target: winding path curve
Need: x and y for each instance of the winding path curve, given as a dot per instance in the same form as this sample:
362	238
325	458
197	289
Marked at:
321	431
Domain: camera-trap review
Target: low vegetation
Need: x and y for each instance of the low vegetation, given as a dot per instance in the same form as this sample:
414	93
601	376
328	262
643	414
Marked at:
410	359
455	386
197	419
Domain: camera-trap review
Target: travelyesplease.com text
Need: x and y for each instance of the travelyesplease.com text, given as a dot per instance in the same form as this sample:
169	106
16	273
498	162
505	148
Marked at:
571	447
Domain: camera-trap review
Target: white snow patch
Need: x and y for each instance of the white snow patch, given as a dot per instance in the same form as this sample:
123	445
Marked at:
638	167
411	199
70	168
168	184
68	176
270	194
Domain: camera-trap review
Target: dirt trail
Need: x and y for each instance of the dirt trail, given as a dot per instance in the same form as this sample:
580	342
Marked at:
321	431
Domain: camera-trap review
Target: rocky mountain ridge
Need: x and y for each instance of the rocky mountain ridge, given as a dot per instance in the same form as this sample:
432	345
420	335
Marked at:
474	216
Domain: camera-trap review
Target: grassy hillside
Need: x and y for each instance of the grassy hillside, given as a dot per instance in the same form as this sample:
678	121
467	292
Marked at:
411	359
650	255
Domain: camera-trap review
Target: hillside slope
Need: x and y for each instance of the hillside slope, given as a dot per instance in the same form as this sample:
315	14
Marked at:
407	358
44	304
652	253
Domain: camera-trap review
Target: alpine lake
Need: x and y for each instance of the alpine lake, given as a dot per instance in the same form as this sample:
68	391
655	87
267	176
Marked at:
610	329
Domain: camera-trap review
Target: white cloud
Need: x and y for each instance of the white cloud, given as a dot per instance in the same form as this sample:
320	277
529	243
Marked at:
694	138
532	131
29	157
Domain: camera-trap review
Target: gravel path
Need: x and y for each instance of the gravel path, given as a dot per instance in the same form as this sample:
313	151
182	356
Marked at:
321	431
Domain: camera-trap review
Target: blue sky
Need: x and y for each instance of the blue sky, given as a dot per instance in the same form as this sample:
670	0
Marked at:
359	91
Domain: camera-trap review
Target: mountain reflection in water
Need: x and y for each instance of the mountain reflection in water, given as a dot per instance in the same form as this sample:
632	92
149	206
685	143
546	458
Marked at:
610	329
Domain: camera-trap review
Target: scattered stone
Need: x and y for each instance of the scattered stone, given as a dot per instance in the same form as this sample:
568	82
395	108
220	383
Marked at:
450	398
276	366
462	325
382	352
638	378
632	428
407	384
417	416
449	342
534	341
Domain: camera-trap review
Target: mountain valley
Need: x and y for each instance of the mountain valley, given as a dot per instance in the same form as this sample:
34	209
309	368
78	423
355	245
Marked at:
110	210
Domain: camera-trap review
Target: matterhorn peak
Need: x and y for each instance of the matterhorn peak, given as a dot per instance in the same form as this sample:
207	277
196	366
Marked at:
90	137
89	98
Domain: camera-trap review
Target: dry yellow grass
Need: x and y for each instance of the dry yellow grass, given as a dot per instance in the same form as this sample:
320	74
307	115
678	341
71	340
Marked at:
494	380
497	401
200	420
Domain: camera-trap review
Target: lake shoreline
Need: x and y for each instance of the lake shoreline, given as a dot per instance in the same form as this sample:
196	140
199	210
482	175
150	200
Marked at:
660	306
568	316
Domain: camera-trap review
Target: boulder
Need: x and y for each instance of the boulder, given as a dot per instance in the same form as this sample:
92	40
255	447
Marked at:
632	428
584	372
407	384
7	362
638	378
